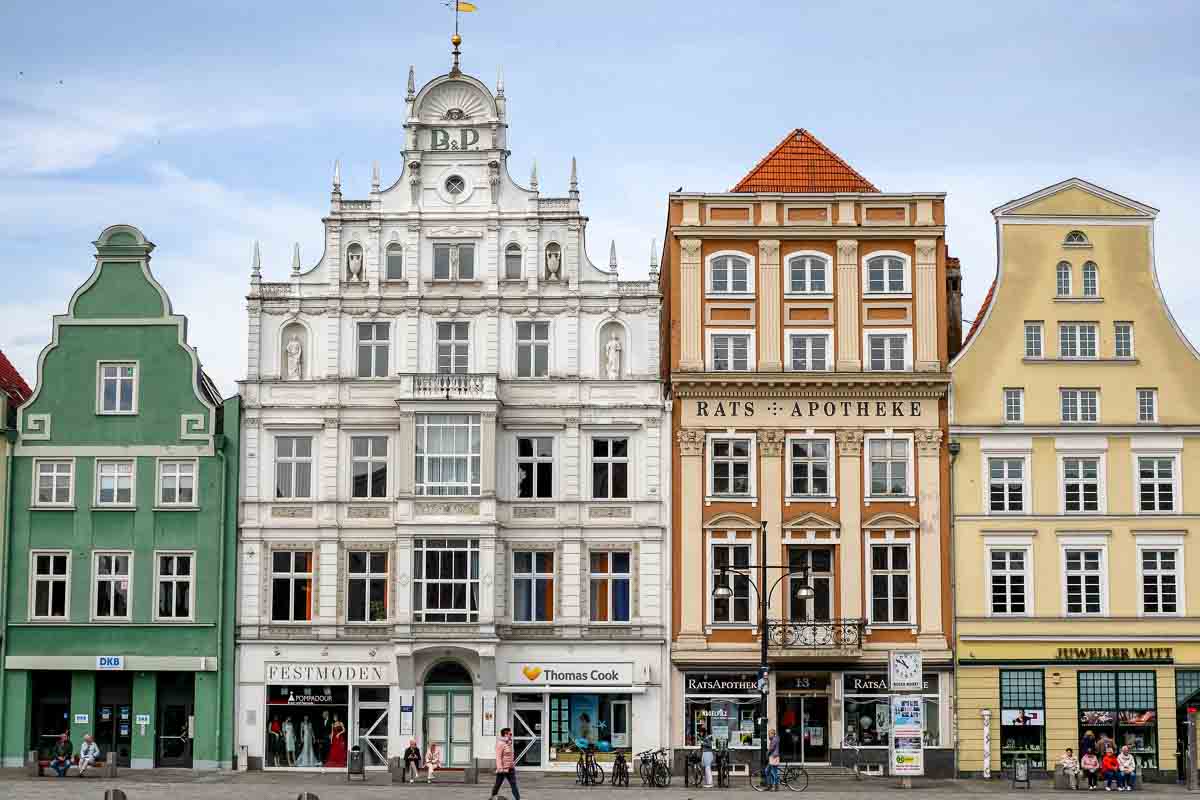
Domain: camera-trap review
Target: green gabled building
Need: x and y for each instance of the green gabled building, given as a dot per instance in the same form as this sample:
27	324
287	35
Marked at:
120	564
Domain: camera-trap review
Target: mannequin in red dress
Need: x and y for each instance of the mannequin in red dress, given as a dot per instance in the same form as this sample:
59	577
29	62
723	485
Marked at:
337	744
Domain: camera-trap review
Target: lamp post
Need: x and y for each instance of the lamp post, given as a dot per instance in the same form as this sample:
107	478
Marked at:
723	591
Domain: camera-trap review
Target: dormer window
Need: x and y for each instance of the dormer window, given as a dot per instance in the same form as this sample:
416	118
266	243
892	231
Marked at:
1076	239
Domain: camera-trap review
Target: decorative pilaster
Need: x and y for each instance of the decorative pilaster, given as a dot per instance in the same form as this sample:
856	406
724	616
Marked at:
768	306
929	499
850	566
691	538
406	445
690	283
848	359
487	453
925	299
770	494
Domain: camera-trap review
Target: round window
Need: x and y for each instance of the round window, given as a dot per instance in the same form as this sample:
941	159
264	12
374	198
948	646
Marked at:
455	184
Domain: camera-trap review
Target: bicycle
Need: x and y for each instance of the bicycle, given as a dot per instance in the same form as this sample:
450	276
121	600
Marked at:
693	769
850	753
587	771
620	771
793	776
724	767
653	768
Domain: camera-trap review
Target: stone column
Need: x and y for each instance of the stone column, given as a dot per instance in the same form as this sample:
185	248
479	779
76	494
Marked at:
925	300
848	359
768	306
691	539
405	449
691	282
850	496
770	497
929	499
487	453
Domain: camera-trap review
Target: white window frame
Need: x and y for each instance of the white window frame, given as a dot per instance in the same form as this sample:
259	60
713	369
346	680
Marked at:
294	460
822	333
368	577
887	291
97	467
708	467
1058	275
1079	328
33	581
751	270
534	577
609	578
510	248
454	267
191	582
1062	392
370	459
1118	327
719	539
1026	505
137	387
1084	542
1150	393
375	345
1093	291
910	477
869	333
911	573
291	576
1176	481
533	461
1076	238
610	462
421	483
805	257
448	545
1040	329
70	501
158	483
751	348
393	248
1026	547
92	615
1144	544
1101	481
828	438
1019	393
453	343
526	348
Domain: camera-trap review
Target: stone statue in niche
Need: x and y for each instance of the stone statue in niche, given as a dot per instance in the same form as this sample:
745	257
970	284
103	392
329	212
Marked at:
354	265
295	358
612	357
553	264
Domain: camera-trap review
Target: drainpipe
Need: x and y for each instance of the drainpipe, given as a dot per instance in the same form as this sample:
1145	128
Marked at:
11	436
954	447
220	450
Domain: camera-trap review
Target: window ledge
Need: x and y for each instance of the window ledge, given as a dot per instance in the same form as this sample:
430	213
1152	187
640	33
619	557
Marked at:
176	508
721	498
116	413
711	295
811	498
467	281
890	498
808	295
395	282
52	508
1129	361
373	500
887	295
1067	299
95	507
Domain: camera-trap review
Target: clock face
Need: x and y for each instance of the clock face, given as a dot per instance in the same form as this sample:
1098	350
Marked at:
907	666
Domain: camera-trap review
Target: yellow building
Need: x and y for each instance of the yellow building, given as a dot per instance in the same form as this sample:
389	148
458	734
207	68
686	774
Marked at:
1076	422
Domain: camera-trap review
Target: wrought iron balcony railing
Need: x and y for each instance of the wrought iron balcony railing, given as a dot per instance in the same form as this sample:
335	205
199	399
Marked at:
836	634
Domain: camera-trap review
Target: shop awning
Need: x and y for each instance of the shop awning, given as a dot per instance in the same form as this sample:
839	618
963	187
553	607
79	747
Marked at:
571	689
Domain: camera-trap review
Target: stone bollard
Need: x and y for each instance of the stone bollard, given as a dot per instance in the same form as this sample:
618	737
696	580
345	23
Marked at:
307	796
114	794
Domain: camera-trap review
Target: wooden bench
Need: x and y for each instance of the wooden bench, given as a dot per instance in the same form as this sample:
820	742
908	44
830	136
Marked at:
40	767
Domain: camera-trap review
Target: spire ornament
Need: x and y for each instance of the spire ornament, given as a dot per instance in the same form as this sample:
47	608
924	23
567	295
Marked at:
337	176
256	261
653	259
296	258
412	84
574	179
374	176
612	256
533	181
500	82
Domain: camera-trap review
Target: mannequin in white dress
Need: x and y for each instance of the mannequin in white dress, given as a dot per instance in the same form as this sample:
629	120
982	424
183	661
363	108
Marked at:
308	756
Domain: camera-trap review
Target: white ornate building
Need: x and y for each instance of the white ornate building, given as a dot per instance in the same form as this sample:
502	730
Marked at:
454	509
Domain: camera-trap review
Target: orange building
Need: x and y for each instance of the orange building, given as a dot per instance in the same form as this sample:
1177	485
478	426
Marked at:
809	322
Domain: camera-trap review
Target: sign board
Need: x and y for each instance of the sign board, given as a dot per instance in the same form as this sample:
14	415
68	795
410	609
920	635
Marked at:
489	715
142	719
1032	717
81	719
710	683
560	673
110	662
905	742
904	671
787	412
312	674
877	683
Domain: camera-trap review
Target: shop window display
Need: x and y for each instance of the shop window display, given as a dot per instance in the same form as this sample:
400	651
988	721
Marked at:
306	726
730	721
867	710
600	721
1022	717
1122	708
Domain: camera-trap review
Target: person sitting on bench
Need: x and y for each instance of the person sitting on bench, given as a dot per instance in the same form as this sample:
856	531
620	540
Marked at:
89	754
60	756
1070	768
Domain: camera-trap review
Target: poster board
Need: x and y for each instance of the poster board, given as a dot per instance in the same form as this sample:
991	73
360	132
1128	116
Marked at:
906	751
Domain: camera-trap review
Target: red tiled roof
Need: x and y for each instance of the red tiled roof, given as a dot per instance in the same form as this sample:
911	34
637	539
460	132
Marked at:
983	309
11	382
800	163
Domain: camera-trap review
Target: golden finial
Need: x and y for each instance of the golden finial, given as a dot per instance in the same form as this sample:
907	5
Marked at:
456	40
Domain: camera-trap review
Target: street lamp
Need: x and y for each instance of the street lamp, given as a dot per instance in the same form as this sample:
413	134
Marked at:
802	591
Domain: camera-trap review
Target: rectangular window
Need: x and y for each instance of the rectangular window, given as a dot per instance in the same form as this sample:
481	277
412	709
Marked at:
292	586
368	466
885	352
533	349
55	486
1147	400
1084	580
1081	485
454	262
51	589
366	586
730	352
446	580
1014	405
535	467
112	586
810	466
1022	695
890	583
1160	581
533	586
293	467
447	454
373	349
1033	340
1156	483
1076	340
735	609
1006	485
1080	405
177	483
1009	578
610	468
114	483
1123	339
809	352
174	586
395	263
820	576
610	579
729	465
118	388
888	464
453	348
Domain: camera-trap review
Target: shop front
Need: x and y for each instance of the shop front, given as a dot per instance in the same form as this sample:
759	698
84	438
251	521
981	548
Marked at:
865	701
722	705
803	704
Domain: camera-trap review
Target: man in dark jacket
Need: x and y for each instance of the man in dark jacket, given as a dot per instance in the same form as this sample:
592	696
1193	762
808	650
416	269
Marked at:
60	757
412	762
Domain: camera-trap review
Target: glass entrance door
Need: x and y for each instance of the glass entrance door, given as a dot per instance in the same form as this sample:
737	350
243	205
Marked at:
114	716
803	728
816	729
527	734
372	729
176	717
620	724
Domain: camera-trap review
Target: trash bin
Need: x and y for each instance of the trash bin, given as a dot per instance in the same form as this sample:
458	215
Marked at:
1020	772
355	765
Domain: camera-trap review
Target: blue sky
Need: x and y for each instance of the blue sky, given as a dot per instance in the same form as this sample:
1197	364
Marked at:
212	124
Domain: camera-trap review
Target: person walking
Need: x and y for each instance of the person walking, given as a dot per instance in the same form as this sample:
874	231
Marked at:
1127	765
506	766
1091	768
89	754
773	761
60	757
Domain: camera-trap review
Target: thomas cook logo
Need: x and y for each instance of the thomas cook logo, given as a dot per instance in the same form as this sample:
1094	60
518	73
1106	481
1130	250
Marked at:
531	673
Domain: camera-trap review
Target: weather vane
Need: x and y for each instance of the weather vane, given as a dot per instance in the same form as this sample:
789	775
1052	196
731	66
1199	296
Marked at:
460	7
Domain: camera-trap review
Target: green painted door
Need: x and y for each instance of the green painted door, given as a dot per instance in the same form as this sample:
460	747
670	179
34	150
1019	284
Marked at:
448	722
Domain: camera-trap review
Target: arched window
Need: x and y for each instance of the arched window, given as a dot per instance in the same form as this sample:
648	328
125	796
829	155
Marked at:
512	262
1091	280
1064	279
886	273
808	274
730	273
395	262
1076	239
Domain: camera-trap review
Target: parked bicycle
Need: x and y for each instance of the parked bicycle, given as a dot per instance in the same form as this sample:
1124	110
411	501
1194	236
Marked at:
850	757
693	769
587	771
793	776
654	768
723	767
620	771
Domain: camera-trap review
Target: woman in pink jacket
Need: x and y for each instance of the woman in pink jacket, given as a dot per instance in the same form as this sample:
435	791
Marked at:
506	766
